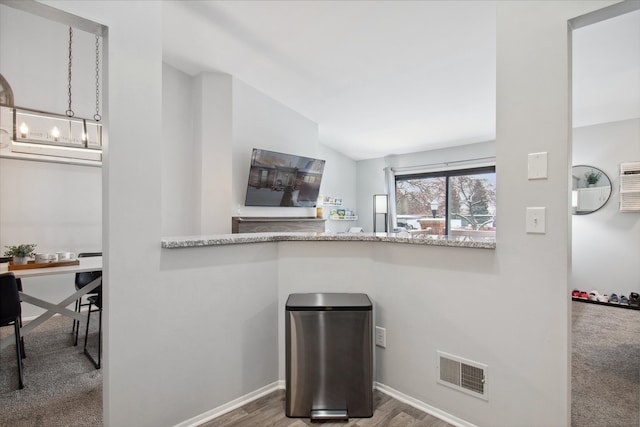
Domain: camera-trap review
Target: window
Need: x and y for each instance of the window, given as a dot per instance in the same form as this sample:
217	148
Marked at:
456	203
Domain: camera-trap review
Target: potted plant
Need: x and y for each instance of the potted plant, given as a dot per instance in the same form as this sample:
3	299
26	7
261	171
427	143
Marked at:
592	177
20	253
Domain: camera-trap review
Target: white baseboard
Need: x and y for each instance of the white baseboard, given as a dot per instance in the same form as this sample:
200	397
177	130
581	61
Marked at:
444	416
280	385
230	406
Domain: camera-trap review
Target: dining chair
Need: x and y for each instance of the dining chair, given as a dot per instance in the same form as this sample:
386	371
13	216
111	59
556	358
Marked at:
10	314
82	280
19	283
94	300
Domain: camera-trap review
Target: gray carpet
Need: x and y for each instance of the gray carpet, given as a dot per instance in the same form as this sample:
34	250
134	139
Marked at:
605	366
62	387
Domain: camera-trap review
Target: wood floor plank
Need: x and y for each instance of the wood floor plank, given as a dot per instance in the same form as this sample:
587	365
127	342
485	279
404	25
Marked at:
269	411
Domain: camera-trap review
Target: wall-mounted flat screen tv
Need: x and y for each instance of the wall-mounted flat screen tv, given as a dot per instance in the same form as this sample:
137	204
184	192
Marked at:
278	179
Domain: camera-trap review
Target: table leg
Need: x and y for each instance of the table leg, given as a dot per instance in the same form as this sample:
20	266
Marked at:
59	308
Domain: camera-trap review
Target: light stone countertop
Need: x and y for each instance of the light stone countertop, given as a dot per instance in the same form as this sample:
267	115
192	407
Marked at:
243	238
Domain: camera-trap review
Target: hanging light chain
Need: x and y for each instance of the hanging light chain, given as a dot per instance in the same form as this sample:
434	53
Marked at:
97	117
70	112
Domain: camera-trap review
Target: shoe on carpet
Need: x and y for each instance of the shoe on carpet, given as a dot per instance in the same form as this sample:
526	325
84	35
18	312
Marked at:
583	295
596	296
624	300
634	298
575	293
613	299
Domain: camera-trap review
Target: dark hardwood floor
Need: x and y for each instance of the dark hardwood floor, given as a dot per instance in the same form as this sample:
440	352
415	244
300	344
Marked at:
269	411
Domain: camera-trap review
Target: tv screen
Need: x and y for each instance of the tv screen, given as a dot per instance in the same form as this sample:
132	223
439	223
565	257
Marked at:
278	179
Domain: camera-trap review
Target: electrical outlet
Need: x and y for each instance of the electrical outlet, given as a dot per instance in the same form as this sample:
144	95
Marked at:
381	337
537	166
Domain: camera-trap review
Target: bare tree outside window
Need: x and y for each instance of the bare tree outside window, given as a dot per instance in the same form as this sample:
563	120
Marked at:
475	199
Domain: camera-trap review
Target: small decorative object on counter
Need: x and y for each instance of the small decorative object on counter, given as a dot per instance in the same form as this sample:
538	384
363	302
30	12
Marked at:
20	253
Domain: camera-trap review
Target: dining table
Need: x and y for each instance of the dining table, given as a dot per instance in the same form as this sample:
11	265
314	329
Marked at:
85	264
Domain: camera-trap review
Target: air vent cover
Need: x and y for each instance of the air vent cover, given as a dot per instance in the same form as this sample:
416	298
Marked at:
463	375
630	187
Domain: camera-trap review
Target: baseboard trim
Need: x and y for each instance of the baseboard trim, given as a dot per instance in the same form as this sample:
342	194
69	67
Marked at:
424	407
281	384
230	406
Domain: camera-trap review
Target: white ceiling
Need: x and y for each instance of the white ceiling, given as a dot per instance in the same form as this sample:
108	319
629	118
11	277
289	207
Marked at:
379	77
606	71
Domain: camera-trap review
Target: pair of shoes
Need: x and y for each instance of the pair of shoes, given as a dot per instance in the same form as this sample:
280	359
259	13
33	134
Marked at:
613	299
579	294
596	296
634	299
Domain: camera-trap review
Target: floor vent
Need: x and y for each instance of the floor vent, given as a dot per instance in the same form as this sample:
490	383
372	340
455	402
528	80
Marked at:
462	374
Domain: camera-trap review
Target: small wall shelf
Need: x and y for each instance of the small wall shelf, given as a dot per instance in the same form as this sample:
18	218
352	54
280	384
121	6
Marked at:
344	218
632	307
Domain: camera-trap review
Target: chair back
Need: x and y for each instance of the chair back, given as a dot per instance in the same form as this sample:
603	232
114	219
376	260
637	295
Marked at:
10	309
83	279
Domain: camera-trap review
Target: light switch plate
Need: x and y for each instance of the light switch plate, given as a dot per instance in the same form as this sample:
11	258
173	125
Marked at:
381	337
537	165
536	220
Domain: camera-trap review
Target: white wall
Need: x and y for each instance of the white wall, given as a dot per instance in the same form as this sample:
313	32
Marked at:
262	122
369	181
56	206
339	180
34	59
158	368
476	304
212	95
179	181
606	246
202	186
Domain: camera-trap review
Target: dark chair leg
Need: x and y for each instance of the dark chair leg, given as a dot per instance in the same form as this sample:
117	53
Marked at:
76	323
24	355
99	338
19	354
19	285
86	336
75	308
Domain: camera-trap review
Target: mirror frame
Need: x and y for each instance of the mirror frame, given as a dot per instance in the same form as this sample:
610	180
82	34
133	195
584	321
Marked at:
574	210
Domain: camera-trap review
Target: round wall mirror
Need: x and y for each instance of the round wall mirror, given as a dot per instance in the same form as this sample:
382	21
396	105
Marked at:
591	189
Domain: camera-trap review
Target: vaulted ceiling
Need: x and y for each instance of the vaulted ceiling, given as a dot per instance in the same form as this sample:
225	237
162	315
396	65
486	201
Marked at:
386	77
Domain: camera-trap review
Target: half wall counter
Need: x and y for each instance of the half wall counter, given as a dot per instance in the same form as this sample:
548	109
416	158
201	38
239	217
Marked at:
395	238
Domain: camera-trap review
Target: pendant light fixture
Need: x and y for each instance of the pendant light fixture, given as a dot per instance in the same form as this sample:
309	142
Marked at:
39	132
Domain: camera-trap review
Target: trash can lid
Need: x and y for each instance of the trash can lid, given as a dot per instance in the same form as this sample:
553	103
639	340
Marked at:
328	301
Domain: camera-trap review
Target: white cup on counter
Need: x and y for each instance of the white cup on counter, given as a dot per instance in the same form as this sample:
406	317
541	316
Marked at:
66	256
44	258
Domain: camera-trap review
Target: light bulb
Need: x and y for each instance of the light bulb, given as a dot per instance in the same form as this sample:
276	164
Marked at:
24	130
55	133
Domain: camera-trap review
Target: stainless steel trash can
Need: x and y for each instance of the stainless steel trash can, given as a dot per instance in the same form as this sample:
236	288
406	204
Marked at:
329	356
